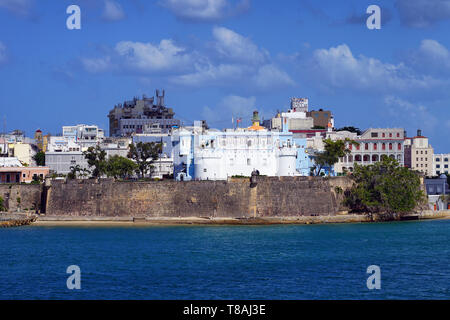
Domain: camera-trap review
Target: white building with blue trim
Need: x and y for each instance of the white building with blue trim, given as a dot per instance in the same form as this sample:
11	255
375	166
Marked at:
201	154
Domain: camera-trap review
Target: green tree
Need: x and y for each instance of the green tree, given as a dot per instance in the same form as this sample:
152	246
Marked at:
330	156
96	158
385	188
2	204
350	129
144	154
39	158
74	172
120	167
36	180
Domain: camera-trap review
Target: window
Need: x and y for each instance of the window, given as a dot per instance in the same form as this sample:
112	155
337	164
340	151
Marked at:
204	170
438	160
446	166
398	134
438	166
390	135
390	146
366	147
438	172
399	147
249	161
384	134
375	146
383	146
445	159
374	134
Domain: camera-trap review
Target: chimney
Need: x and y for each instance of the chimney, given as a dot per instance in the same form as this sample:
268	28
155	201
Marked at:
419	133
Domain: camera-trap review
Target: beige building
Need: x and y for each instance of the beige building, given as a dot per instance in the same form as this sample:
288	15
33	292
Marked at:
373	145
421	153
23	152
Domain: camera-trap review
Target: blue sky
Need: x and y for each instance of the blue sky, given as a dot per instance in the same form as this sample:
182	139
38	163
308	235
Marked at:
219	58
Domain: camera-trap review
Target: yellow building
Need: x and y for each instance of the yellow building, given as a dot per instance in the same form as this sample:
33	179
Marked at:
38	139
22	151
45	142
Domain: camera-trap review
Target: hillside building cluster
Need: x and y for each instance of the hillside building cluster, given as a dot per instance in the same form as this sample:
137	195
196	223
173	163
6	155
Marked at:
285	145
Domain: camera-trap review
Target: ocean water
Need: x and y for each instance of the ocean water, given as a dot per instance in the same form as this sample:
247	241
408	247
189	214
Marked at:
228	262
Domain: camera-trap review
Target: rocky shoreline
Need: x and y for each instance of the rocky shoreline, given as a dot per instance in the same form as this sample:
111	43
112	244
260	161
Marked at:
16	220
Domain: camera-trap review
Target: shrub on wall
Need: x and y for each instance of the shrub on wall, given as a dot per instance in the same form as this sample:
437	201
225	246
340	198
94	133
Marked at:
2	204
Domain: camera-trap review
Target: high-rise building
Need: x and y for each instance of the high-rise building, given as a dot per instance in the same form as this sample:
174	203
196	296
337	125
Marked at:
133	116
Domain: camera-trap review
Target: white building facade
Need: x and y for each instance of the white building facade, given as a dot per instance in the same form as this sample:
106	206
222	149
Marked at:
441	164
217	155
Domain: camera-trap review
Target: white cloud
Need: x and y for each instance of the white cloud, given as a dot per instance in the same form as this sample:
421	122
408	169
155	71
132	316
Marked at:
412	114
239	106
337	67
233	61
431	57
240	60
423	13
2	53
234	47
147	57
269	76
231	106
112	11
204	10
20	7
211	75
97	65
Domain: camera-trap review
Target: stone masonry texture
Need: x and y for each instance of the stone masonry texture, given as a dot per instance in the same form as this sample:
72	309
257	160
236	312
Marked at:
235	198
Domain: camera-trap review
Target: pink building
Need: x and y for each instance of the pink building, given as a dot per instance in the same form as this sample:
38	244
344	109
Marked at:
22	174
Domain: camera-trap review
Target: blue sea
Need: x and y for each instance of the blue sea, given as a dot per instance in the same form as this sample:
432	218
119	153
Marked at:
228	262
